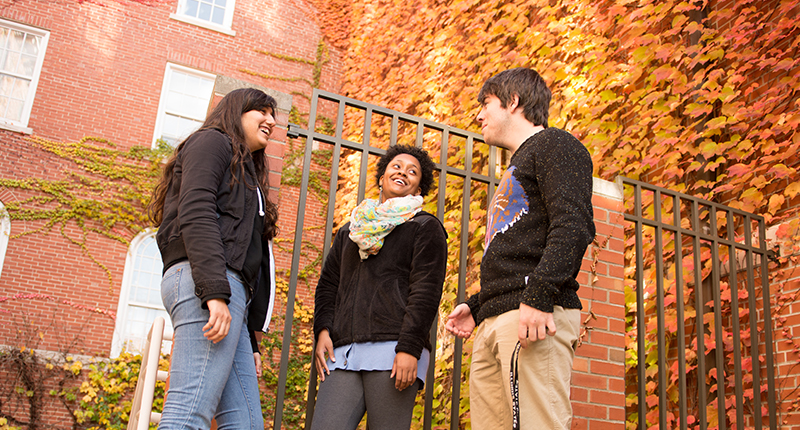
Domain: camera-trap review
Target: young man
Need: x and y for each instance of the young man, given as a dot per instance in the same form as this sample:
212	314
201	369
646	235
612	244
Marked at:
539	225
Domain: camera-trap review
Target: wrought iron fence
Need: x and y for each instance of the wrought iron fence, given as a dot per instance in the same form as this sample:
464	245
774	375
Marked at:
702	293
463	163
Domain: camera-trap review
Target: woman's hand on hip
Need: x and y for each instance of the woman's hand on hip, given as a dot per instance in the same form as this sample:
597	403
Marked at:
219	320
404	370
257	358
324	344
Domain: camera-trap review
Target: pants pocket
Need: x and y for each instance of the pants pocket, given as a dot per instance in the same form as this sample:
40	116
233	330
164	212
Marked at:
170	286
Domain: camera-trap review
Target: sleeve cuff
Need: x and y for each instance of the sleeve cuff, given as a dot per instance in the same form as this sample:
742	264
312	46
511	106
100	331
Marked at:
539	298
254	342
474	307
409	347
215	296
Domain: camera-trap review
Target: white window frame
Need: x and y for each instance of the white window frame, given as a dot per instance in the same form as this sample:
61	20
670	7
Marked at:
118	342
162	103
22	125
227	22
5	232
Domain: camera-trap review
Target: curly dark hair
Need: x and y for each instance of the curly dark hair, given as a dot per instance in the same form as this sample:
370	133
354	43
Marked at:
425	163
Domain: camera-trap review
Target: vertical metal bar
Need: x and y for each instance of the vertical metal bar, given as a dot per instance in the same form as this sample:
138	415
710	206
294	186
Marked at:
754	336
702	388
733	285
440	201
492	174
661	336
640	315
681	357
298	240
719	348
332	186
466	215
768	346
455	406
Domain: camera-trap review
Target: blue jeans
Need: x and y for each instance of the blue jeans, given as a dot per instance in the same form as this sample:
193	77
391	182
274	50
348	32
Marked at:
208	380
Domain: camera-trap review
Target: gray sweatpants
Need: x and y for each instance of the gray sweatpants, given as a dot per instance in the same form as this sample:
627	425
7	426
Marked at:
345	395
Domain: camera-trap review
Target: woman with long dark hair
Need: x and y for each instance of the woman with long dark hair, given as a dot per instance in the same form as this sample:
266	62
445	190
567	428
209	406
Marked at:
216	226
376	300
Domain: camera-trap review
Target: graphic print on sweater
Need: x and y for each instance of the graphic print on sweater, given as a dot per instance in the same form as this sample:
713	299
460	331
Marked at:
509	204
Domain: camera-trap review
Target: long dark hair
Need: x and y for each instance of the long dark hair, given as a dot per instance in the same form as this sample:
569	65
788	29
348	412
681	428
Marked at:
227	118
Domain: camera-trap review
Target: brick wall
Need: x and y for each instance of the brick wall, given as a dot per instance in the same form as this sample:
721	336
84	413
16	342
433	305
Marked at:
785	290
102	76
598	385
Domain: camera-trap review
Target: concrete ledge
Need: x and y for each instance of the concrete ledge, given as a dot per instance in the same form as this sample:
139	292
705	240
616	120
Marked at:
612	190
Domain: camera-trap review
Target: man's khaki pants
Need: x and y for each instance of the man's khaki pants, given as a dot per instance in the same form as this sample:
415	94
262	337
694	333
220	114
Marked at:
545	373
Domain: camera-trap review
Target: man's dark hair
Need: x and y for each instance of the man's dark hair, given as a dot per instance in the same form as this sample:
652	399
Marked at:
534	96
425	163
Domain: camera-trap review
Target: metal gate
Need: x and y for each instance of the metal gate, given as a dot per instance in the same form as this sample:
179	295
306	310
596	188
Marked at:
476	168
705	264
685	247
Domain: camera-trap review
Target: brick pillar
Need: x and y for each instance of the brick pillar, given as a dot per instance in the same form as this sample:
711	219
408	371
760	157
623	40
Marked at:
598	378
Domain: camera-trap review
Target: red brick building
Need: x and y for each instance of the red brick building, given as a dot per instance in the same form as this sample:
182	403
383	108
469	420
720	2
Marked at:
130	73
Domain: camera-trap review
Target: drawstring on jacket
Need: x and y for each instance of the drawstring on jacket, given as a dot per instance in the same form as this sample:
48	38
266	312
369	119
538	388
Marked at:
260	202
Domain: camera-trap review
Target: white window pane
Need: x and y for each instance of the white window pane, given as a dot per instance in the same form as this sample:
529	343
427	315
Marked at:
31	46
190	8
20	89
6	85
174	102
16	41
140	295
3	106
205	12
218	16
27	65
155	298
12	60
196	107
177	128
221	3
15	108
177	81
188	96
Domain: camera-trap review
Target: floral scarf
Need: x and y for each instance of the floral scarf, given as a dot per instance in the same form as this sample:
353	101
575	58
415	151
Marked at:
371	221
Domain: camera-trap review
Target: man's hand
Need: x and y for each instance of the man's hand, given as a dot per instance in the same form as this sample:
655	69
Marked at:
324	344
460	321
219	320
534	324
405	368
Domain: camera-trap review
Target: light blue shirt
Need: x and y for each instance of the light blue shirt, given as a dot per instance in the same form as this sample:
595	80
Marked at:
374	356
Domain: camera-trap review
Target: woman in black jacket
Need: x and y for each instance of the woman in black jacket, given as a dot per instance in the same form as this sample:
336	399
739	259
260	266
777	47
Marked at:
376	300
216	228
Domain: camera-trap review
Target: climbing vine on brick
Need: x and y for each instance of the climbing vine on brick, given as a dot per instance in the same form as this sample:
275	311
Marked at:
102	191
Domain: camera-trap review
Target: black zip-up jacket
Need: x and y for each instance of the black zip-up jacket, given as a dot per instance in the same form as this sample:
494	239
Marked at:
210	222
393	295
